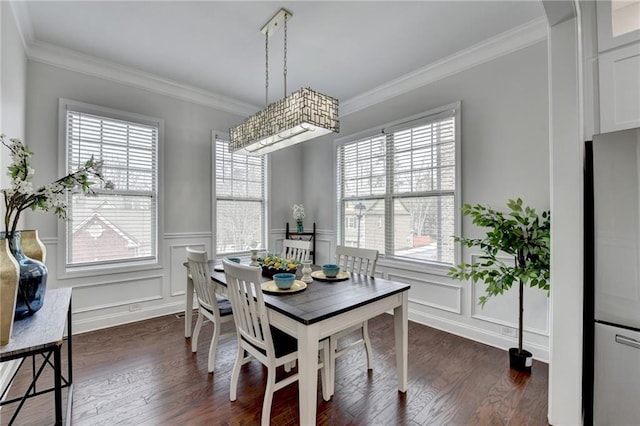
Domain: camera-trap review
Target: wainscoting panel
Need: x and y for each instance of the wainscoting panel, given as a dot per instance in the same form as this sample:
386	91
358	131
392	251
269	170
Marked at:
109	294
503	309
439	295
177	258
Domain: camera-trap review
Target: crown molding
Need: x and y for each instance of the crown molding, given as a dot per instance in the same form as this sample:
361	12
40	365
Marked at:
90	65
23	22
507	42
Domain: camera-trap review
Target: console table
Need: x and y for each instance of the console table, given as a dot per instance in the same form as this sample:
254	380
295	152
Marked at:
40	337
304	236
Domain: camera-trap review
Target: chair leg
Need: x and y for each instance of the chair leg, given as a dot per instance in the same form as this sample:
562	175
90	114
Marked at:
268	396
196	333
213	346
367	344
333	347
235	374
326	371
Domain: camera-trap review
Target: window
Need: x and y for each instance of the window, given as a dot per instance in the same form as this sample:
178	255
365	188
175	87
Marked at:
119	226
400	188
239	200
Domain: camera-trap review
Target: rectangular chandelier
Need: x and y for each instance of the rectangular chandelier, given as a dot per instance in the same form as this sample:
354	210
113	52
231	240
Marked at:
304	115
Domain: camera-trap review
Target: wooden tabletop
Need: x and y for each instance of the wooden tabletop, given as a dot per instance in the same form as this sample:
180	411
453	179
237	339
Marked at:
322	300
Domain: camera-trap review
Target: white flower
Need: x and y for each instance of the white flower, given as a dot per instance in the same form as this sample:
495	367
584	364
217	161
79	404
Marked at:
298	212
21	195
24	187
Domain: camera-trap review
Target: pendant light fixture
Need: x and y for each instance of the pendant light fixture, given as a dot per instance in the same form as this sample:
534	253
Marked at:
304	115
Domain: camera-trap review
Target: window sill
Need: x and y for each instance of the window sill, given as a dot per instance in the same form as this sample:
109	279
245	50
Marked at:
95	271
414	266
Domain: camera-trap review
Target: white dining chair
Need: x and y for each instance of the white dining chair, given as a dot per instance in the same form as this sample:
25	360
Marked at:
296	249
258	339
358	261
211	306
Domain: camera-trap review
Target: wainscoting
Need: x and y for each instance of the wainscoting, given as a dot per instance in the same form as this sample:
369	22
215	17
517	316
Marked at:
434	299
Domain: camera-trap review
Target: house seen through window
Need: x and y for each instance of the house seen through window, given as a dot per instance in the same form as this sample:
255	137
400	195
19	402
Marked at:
120	224
398	188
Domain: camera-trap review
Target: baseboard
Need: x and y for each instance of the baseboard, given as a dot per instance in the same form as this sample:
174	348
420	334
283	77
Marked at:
540	353
121	318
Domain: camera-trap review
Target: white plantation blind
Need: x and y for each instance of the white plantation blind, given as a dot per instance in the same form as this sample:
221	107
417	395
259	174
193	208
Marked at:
118	225
397	189
239	200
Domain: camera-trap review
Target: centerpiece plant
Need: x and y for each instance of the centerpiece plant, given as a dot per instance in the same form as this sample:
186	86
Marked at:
523	236
273	263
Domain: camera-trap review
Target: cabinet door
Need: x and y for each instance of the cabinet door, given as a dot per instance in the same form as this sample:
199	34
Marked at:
618	23
620	88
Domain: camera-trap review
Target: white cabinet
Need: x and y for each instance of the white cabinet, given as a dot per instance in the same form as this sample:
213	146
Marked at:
619	64
620	88
618	23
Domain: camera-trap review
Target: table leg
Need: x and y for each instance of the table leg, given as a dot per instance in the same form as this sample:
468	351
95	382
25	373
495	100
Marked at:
188	308
69	346
401	325
57	360
308	372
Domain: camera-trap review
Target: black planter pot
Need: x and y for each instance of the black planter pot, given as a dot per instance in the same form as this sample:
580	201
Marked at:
520	361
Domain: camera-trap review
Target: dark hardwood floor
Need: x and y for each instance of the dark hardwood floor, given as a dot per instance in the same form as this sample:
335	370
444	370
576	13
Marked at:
145	374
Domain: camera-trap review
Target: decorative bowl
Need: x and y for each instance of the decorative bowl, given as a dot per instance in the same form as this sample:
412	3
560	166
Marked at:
276	264
234	259
284	281
330	270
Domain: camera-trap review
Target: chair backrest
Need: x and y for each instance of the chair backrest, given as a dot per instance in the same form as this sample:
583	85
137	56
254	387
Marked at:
357	260
201	277
296	250
247	303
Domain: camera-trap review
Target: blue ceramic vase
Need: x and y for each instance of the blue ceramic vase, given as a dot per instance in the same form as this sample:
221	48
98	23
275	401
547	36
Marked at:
33	280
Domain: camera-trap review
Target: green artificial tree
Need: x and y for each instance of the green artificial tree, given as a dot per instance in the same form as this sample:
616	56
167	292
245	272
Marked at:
520	233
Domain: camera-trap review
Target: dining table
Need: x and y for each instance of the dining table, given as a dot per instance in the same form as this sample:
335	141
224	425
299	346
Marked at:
320	310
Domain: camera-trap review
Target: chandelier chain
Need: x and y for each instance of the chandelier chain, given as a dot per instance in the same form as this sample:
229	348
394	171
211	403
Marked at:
285	56
266	68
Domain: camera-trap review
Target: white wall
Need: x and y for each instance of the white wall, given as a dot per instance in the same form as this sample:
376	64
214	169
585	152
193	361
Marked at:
112	299
13	84
505	154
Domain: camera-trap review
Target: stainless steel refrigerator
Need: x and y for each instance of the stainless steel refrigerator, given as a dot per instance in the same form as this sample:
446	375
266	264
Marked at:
612	278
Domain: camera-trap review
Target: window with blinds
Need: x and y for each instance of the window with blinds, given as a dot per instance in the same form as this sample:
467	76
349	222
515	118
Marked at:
397	189
239	200
120	224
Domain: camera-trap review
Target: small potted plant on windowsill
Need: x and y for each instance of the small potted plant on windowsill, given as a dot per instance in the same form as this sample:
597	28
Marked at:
521	233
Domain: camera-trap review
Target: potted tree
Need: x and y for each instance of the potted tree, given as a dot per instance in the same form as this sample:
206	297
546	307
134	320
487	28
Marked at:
520	233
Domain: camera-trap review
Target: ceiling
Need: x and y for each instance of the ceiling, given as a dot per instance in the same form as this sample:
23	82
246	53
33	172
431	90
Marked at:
342	49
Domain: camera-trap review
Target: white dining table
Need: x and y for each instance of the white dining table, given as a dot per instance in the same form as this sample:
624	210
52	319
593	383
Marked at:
323	309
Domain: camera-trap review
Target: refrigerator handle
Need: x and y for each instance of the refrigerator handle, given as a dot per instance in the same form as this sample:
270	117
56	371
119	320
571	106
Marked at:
627	341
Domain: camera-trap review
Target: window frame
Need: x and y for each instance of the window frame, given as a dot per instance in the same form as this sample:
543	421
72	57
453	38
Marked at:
438	268
215	135
131	265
